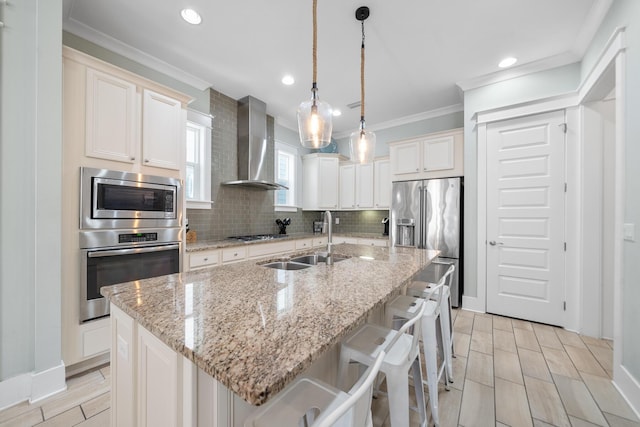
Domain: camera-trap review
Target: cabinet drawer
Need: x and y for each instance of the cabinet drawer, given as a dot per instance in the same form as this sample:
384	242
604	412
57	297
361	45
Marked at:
233	254
304	244
319	241
350	240
373	242
96	341
265	249
203	259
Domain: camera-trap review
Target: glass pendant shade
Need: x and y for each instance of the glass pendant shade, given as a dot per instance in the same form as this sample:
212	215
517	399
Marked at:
362	145
314	123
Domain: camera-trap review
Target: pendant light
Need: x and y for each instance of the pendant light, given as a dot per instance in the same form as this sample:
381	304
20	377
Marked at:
314	116
362	143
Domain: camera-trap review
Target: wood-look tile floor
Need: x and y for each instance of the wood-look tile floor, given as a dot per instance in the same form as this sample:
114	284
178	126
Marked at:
511	372
507	372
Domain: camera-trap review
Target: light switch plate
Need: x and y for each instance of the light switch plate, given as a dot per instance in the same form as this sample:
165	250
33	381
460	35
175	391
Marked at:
337	220
629	232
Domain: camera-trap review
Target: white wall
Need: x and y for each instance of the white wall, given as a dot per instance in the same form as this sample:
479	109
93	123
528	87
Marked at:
627	13
30	207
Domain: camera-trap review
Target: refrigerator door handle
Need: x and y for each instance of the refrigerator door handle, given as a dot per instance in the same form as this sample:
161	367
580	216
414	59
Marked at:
419	238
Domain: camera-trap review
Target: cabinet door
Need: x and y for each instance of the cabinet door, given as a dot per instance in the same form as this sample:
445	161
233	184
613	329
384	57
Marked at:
111	117
328	183
163	131
364	186
347	187
438	154
382	184
157	382
406	158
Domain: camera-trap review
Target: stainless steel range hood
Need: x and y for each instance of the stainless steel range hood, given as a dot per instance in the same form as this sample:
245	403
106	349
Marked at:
252	146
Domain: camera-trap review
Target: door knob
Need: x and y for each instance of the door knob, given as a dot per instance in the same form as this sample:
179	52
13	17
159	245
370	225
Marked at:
493	243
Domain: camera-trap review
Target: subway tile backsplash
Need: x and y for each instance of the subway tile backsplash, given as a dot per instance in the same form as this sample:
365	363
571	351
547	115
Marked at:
240	211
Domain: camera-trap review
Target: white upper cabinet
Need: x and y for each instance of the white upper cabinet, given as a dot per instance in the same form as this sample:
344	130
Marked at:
436	155
163	127
365	186
111	111
127	118
382	184
320	183
347	186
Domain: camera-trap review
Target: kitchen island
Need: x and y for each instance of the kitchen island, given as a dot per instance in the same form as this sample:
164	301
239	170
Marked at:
183	343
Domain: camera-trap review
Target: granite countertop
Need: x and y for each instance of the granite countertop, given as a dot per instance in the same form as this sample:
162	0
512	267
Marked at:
254	329
227	243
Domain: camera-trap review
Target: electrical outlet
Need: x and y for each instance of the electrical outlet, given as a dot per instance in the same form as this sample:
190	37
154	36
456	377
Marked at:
337	220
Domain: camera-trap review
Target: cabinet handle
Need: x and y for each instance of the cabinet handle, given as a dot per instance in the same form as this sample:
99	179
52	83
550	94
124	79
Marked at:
417	170
133	158
235	254
146	160
206	259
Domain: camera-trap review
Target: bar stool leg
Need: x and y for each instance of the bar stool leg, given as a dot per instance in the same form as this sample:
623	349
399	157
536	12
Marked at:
398	395
447	343
419	390
430	342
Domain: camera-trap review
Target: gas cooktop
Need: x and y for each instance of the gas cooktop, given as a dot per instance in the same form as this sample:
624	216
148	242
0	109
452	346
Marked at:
253	237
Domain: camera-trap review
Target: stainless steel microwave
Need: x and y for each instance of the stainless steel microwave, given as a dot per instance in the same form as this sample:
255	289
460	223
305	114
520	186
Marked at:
114	199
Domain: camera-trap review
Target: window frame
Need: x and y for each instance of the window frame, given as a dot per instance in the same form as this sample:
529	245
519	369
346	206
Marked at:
204	122
293	199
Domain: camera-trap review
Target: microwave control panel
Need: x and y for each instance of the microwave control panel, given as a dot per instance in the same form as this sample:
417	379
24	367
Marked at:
137	237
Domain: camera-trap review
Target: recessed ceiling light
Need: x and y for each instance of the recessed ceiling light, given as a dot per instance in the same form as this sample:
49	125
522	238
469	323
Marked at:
288	80
336	112
507	62
191	16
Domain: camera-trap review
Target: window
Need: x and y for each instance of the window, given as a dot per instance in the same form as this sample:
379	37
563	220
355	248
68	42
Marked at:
286	173
197	183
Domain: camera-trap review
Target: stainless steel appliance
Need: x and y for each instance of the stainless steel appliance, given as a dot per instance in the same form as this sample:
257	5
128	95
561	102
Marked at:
116	256
129	230
428	214
114	199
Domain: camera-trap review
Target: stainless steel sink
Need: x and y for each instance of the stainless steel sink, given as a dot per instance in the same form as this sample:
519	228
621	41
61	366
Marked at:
286	265
315	259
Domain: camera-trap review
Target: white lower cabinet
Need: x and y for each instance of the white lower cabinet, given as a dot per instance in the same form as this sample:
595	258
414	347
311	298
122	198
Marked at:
159	382
257	251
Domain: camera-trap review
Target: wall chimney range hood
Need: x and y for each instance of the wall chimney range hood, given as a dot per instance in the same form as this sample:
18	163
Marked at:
252	146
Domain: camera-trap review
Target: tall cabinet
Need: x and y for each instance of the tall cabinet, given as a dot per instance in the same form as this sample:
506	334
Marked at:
112	119
320	181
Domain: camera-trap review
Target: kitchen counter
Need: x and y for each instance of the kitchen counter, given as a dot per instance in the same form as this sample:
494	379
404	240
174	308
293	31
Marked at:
227	243
254	329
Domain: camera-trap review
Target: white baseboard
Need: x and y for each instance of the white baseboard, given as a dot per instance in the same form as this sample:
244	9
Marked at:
628	387
473	304
32	386
46	383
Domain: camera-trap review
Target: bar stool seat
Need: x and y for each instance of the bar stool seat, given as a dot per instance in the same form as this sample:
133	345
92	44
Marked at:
313	403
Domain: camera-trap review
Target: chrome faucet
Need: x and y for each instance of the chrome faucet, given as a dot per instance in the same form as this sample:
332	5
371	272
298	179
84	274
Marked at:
327	226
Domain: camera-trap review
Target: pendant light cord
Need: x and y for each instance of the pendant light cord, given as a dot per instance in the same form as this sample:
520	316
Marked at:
362	79
315	42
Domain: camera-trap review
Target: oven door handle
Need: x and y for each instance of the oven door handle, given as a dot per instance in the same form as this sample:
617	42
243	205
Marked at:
117	252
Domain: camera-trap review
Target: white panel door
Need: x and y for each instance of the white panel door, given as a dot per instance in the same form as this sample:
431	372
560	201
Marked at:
525	218
364	186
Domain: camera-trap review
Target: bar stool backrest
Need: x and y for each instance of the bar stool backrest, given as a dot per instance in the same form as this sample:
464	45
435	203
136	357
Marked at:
359	400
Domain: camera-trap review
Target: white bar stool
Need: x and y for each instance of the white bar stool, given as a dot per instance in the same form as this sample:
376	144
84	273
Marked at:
401	307
311	403
421	289
403	352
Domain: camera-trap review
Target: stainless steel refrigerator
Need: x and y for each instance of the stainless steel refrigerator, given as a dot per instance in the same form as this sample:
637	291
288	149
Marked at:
428	214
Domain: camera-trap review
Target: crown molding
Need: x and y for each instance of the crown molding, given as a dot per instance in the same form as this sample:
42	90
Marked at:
438	112
114	45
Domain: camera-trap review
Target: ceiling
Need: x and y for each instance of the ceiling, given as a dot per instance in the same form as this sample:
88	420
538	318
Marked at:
419	54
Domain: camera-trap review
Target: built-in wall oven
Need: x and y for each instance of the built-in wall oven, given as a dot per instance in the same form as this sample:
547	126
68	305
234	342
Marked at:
129	230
